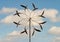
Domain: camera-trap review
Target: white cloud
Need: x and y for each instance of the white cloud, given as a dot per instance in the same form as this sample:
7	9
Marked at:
51	14
14	36
54	30
57	39
10	19
17	34
5	10
14	33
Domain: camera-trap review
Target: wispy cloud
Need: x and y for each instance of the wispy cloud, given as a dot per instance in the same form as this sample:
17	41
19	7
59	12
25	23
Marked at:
56	39
54	30
6	10
10	19
13	36
51	14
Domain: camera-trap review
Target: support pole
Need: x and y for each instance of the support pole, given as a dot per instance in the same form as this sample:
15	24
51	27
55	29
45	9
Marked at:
29	29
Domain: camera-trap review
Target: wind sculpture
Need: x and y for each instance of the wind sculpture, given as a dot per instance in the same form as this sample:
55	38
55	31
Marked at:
30	19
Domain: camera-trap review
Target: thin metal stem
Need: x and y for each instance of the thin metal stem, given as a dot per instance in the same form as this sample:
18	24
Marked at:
29	29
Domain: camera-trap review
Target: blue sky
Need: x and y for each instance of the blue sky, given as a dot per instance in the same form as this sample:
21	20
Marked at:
49	33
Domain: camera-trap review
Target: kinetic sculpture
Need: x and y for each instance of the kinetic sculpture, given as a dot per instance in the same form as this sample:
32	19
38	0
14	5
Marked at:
29	19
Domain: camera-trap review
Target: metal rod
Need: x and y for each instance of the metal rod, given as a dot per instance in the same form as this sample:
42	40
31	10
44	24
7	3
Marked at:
29	29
